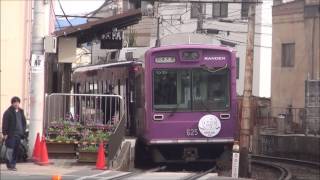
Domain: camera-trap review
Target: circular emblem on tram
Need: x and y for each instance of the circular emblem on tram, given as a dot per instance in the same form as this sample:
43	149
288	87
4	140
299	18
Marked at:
209	125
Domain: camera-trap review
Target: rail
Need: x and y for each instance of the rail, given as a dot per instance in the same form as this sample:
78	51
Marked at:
285	172
200	174
287	160
132	174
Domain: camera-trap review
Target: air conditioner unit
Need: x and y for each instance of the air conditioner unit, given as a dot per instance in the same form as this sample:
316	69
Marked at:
50	44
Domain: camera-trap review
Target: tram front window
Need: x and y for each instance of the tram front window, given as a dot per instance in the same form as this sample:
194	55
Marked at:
191	89
171	89
210	90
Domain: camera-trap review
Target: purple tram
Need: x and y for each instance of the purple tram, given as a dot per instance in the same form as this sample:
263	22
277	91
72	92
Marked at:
186	105
180	102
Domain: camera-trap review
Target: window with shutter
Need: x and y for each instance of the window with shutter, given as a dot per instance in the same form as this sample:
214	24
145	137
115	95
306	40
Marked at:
244	10
220	10
288	53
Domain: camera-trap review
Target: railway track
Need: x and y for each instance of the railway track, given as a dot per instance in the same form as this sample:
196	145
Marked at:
134	174
199	174
162	169
265	167
286	167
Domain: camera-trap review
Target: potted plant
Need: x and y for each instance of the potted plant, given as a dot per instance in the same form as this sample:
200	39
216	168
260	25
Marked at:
62	139
88	149
61	146
88	153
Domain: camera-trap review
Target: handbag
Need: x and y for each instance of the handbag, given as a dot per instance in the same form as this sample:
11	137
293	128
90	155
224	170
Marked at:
3	151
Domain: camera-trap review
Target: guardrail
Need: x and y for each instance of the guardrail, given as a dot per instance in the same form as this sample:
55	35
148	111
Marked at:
81	116
84	108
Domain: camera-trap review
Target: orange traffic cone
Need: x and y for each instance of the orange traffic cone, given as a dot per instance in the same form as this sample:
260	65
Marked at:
36	149
56	177
43	160
101	160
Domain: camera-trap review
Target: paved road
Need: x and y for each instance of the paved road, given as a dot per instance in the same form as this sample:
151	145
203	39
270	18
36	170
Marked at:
72	171
104	175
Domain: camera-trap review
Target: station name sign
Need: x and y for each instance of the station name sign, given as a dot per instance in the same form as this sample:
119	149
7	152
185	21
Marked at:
112	39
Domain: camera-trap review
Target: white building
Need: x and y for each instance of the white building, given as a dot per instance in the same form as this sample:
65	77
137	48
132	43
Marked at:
223	23
226	24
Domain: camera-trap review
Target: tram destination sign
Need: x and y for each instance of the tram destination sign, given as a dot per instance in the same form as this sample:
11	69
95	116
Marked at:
111	39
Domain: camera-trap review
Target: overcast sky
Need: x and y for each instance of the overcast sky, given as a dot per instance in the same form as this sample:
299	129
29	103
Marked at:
77	7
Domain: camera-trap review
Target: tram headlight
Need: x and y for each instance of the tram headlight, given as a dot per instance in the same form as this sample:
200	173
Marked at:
169	59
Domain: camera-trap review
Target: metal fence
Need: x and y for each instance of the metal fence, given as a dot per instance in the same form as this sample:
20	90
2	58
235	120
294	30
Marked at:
106	113
312	103
87	109
284	120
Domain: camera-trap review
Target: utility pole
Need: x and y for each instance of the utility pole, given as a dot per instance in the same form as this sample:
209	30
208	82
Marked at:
200	19
37	72
247	95
158	44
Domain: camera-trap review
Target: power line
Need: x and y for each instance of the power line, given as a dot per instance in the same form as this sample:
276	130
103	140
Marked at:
64	13
240	42
55	17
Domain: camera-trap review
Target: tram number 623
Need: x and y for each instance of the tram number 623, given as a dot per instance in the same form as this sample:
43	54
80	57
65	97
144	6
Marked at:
192	132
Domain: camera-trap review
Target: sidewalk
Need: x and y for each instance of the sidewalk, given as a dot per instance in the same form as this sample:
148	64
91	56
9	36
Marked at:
58	167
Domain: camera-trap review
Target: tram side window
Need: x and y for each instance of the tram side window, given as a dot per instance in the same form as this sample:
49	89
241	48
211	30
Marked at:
95	87
138	91
78	88
87	84
90	88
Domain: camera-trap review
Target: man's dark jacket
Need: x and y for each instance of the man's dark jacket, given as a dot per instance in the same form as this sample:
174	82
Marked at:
9	121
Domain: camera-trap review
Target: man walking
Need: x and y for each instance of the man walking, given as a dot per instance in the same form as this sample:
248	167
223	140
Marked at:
13	130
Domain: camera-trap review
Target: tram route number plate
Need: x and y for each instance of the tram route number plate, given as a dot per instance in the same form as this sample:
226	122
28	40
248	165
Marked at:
192	132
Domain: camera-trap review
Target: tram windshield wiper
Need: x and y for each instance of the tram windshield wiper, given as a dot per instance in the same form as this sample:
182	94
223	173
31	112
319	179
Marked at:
213	70
205	105
174	110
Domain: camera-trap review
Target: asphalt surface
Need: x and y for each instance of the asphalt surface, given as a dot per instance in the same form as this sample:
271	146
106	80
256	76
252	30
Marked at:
71	171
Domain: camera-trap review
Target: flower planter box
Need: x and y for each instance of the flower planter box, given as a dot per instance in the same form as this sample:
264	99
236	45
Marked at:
58	149
88	157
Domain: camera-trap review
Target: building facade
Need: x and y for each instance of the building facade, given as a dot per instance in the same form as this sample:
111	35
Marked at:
16	26
15	51
296	61
295	51
225	24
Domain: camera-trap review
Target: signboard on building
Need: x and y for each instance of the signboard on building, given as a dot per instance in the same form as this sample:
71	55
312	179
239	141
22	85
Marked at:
37	63
112	39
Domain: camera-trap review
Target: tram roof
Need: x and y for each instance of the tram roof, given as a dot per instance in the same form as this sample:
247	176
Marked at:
101	66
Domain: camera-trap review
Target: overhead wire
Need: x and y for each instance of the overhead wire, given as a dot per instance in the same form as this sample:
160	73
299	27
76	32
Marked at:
64	13
54	13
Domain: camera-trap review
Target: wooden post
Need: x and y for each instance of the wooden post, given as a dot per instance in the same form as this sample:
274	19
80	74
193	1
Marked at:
247	94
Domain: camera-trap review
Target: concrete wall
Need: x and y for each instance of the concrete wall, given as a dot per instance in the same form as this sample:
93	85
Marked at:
297	147
290	25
